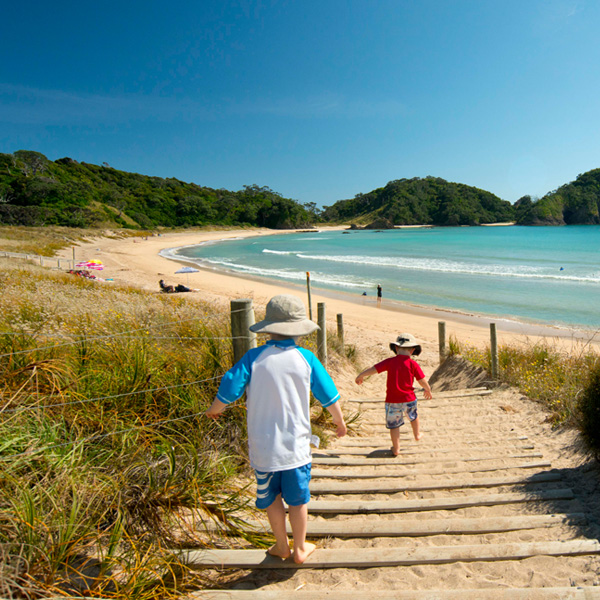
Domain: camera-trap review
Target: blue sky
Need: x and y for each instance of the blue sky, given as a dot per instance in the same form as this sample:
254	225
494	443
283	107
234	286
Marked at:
317	99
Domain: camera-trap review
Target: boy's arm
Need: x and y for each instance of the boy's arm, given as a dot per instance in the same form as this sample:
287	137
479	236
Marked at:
366	373
216	408
423	383
338	419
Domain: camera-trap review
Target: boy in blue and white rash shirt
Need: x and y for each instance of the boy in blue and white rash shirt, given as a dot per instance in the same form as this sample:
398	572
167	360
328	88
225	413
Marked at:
278	378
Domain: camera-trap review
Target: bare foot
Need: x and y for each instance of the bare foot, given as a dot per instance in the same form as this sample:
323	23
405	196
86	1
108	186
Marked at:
395	451
418	437
301	555
283	552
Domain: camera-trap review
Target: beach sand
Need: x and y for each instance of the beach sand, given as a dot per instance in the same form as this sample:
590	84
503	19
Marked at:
136	261
492	420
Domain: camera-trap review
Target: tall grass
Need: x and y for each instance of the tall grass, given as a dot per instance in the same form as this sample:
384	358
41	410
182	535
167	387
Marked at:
106	459
557	378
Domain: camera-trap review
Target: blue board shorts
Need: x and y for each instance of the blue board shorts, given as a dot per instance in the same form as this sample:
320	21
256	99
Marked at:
293	485
394	413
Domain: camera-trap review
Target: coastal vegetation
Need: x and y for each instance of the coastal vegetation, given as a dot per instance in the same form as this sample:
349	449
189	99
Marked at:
35	191
422	201
106	460
566	383
575	203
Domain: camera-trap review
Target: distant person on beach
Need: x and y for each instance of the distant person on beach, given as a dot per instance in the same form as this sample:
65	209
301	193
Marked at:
400	396
379	293
278	378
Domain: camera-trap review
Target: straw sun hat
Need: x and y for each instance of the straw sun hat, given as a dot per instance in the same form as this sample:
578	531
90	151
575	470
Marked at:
285	315
405	340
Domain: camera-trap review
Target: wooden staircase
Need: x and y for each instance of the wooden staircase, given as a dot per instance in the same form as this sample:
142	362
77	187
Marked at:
466	494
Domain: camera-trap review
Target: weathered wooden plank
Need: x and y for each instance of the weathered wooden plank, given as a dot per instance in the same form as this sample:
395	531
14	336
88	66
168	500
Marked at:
421	504
500	593
317	460
382	440
371	450
400	471
468	393
393	487
387	557
412	528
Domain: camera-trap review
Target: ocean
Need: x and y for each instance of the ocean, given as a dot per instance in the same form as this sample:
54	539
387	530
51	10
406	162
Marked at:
541	275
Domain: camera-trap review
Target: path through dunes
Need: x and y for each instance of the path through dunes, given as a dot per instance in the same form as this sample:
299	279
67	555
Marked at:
491	503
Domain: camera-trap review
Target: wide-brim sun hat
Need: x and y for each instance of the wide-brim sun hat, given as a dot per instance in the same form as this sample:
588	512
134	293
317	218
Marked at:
285	315
406	340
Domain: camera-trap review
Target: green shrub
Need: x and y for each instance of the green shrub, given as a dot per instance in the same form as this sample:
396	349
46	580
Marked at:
589	406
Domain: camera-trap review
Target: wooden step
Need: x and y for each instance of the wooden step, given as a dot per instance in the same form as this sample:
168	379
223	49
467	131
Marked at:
441	395
393	487
425	527
386	557
499	593
382	440
421	504
422	449
317	460
394	470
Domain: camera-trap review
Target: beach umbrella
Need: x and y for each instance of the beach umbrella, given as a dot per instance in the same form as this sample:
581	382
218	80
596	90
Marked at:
90	264
187	271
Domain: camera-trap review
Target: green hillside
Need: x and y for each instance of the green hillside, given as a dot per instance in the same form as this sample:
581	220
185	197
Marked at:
575	203
35	191
422	201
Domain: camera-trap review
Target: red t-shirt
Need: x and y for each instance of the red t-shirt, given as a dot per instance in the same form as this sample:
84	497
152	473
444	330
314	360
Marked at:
402	370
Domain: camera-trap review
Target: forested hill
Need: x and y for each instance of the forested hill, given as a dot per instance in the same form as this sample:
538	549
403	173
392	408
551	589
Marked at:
575	203
36	191
418	201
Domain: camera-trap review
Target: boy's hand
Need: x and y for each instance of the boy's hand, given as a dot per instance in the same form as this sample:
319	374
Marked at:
427	394
359	379
215	410
340	429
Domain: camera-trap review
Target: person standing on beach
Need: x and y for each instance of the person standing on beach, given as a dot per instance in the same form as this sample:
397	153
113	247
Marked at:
278	378
379	293
400	396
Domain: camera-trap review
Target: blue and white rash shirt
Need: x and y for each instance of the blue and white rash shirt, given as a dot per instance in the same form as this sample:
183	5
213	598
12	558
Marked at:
278	378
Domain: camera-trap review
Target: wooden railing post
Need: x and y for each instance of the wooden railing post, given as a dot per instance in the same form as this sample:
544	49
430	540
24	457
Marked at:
309	296
442	340
242	316
340	331
321	334
494	351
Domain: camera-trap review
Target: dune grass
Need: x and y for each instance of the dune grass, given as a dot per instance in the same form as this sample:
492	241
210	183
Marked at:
106	459
565	382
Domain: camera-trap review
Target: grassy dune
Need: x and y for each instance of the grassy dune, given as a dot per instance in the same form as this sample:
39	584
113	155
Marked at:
106	459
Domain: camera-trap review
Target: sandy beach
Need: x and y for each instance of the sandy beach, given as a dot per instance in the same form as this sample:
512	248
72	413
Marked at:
136	261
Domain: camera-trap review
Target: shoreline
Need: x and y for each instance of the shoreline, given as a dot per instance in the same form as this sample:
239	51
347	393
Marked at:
141	263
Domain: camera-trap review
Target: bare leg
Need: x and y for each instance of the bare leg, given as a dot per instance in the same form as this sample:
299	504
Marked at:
395	435
415	427
276	515
298	520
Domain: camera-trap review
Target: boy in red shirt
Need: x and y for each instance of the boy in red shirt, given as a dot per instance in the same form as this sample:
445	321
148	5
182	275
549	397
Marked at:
400	396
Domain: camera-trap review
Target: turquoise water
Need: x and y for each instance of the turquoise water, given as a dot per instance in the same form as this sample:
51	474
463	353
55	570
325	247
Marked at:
547	275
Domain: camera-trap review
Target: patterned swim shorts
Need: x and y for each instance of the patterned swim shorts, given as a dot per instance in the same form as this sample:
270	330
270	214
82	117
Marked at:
292	484
394	413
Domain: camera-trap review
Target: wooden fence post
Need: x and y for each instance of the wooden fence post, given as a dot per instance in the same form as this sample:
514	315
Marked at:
321	334
494	351
309	297
242	316
442	340
340	331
